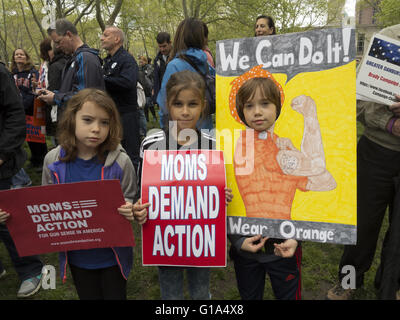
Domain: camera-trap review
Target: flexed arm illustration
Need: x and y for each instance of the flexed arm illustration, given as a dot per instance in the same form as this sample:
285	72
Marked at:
310	160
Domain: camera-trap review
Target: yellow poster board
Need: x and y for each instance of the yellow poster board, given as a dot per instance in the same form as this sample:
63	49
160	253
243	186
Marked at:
317	64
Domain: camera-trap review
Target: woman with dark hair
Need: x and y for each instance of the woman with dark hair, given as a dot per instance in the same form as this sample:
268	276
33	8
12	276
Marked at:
46	54
26	78
264	26
187	52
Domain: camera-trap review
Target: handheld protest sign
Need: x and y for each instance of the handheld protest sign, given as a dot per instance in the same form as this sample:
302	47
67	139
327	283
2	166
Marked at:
186	223
297	178
69	216
34	132
378	78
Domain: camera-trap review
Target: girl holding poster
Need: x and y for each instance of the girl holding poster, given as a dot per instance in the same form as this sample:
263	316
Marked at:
186	104
268	188
89	134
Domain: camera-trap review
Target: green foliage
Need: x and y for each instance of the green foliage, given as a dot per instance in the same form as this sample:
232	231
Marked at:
389	12
142	20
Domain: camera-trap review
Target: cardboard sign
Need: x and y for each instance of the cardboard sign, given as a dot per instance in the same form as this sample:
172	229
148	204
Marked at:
34	133
186	223
68	216
39	113
379	76
297	179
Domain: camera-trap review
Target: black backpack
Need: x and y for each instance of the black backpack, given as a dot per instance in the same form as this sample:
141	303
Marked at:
208	79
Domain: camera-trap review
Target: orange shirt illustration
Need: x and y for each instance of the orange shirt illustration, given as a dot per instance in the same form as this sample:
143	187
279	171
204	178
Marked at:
266	191
277	168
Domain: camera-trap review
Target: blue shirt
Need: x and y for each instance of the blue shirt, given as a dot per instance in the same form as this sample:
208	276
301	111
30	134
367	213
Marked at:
88	170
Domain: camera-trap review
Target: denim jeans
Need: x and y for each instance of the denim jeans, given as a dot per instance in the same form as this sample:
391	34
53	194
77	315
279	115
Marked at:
171	282
21	179
26	267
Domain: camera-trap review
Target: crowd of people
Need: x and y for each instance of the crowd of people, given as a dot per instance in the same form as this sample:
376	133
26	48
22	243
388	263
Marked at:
101	132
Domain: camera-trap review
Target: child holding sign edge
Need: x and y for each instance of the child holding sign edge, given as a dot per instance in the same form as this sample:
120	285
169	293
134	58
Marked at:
278	170
186	104
89	135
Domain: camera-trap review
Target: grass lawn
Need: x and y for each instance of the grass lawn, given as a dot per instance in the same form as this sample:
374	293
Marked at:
319	272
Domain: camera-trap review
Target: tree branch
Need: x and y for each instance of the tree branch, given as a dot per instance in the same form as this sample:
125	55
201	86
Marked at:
99	18
36	19
84	12
115	12
27	30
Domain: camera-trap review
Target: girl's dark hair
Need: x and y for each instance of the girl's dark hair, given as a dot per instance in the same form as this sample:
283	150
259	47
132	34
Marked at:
189	34
45	47
248	89
66	127
270	21
185	80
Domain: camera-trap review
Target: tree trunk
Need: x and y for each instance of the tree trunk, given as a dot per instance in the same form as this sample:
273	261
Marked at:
113	16
29	33
35	18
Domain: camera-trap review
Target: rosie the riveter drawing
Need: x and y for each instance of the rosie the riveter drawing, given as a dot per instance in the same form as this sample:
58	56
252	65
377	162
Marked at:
278	168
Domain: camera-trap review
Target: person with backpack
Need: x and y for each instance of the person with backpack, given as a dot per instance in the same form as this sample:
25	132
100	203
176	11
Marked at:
187	54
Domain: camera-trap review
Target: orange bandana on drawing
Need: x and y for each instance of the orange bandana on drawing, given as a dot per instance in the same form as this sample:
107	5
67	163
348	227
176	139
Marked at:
255	72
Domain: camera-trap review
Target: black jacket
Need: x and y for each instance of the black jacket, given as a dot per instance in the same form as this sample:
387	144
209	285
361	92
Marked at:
56	66
120	75
12	126
159	69
82	70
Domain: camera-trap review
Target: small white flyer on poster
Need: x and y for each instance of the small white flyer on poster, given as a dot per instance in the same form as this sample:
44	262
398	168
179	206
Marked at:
378	78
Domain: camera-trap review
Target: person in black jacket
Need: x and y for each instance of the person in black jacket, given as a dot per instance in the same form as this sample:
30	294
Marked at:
56	66
12	158
120	76
82	70
160	61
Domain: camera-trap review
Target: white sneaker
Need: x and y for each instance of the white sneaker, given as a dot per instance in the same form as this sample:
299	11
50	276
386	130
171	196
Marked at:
3	274
29	286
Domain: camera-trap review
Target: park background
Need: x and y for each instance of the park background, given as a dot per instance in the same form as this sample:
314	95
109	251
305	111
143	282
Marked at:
21	26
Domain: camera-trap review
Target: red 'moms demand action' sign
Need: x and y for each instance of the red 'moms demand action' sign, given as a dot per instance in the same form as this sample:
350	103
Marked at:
186	223
68	216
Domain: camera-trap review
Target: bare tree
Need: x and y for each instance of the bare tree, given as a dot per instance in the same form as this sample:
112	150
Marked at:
113	16
29	32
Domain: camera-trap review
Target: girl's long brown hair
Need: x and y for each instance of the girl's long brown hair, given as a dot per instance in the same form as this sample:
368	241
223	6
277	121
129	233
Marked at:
66	127
189	34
